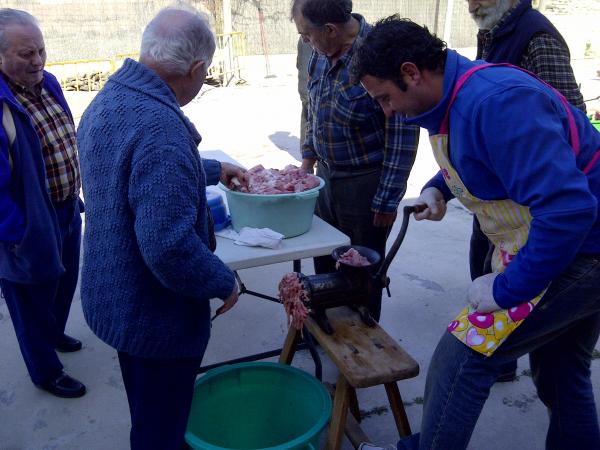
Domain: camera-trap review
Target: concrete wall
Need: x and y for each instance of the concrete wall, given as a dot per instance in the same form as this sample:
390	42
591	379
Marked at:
86	29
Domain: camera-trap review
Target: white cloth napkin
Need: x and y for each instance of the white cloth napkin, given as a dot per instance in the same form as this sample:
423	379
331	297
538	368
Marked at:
253	237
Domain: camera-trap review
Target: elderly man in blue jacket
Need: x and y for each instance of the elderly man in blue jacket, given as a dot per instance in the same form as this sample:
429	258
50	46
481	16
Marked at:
149	269
40	222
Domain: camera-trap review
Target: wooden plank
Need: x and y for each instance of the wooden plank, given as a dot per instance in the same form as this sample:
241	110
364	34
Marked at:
354	432
398	410
289	346
339	414
366	356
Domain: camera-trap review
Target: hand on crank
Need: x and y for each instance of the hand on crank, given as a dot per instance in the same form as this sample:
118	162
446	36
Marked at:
228	303
436	205
480	295
232	175
384	220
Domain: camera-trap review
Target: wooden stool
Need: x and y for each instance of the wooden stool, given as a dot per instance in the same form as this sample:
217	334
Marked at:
365	357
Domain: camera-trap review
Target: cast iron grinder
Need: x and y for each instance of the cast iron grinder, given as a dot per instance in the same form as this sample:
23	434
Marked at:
351	285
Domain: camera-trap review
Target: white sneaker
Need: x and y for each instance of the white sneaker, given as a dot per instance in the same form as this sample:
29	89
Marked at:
368	446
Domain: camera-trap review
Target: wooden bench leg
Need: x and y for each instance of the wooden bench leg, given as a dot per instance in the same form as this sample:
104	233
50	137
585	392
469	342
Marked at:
289	346
339	414
354	408
398	411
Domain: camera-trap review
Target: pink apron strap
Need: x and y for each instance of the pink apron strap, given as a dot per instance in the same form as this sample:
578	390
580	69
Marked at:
574	134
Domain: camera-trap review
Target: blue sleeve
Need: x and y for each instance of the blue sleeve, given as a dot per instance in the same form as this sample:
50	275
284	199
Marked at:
212	168
438	182
529	151
164	198
12	219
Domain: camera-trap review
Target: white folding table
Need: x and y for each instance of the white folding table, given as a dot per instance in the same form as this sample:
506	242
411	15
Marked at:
320	240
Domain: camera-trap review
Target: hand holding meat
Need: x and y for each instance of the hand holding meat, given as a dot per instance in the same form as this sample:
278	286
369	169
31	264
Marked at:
480	295
231	175
436	205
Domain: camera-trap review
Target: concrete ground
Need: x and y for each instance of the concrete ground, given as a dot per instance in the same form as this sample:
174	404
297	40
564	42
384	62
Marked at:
257	122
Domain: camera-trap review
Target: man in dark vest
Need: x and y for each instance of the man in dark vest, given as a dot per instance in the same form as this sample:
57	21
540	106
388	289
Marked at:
511	31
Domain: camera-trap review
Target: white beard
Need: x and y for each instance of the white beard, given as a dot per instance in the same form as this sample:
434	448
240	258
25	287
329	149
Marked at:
486	18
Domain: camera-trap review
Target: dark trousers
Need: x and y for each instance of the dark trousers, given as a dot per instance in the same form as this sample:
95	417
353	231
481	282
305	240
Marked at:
345	203
159	392
560	335
480	263
39	312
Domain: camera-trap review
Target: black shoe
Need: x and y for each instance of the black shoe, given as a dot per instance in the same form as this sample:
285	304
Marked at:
507	377
64	386
67	344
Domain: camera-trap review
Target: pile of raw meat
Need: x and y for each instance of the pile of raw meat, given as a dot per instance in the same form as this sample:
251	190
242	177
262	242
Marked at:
352	258
293	295
273	181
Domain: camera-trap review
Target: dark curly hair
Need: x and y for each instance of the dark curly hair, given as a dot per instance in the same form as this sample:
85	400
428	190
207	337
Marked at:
392	42
320	12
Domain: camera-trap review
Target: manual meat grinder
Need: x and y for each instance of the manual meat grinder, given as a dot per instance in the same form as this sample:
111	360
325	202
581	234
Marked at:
352	285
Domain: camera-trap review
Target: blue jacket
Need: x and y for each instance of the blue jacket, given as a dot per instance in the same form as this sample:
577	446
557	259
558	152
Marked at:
148	273
509	139
30	243
510	41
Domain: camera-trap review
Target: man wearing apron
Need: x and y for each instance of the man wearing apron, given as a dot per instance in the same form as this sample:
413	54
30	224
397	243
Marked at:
525	162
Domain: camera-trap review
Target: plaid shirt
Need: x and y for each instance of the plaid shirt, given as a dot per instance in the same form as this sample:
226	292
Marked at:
346	128
544	56
57	136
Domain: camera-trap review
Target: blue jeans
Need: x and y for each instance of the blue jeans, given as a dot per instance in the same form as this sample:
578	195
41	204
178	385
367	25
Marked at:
559	335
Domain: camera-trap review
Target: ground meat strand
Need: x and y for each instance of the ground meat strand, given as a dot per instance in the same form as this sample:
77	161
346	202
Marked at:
353	258
293	295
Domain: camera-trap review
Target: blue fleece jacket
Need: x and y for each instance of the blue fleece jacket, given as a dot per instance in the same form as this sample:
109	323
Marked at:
148	273
30	242
509	139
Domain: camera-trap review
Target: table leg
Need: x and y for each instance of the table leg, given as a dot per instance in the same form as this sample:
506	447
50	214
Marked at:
339	414
398	411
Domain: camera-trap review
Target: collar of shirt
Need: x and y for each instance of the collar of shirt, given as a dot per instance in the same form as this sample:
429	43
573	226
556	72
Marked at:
486	36
19	89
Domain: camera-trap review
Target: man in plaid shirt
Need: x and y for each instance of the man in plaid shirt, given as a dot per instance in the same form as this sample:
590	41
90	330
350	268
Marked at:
511	31
40	222
364	157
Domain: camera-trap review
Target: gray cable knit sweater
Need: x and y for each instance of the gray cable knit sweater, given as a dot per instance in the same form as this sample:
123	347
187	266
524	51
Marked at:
148	273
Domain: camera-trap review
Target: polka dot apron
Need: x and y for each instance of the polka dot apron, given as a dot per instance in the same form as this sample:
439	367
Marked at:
506	224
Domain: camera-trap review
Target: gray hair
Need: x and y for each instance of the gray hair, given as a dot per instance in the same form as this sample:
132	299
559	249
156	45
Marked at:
175	48
8	17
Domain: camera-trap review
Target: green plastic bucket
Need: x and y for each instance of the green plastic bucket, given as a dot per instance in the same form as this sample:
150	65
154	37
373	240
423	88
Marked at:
257	405
288	214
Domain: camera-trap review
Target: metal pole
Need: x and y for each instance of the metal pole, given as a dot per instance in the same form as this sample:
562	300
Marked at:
448	22
227	43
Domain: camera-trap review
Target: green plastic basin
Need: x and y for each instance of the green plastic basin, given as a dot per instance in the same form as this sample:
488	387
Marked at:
288	214
258	405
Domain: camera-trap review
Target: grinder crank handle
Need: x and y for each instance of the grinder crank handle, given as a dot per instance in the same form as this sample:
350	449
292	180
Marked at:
381	273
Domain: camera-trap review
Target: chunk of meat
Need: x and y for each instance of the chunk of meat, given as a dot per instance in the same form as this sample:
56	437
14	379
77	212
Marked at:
273	181
293	296
353	258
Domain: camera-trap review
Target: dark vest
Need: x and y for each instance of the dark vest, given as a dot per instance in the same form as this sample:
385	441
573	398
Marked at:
510	41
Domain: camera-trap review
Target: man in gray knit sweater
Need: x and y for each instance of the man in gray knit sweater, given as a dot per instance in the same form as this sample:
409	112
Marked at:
149	270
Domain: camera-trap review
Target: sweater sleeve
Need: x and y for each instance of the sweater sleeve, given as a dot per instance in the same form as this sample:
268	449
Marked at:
438	182
533	160
212	168
164	196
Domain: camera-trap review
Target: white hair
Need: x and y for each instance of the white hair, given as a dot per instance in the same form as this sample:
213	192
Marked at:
177	47
487	17
8	17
